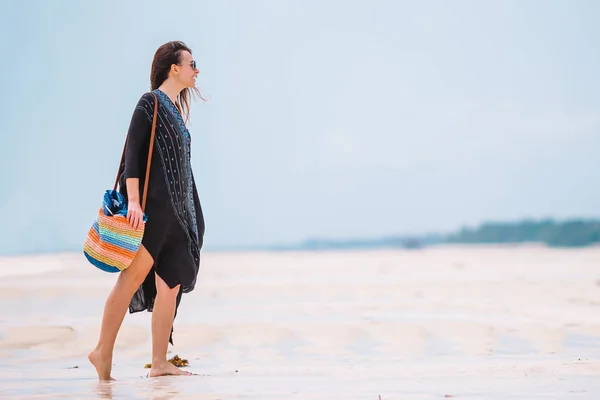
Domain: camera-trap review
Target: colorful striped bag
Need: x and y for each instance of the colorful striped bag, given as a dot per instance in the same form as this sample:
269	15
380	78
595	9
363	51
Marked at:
111	243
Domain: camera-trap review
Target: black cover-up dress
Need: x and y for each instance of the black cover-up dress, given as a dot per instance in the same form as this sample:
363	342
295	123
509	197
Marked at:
175	227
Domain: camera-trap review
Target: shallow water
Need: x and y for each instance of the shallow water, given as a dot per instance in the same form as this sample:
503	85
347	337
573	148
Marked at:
472	323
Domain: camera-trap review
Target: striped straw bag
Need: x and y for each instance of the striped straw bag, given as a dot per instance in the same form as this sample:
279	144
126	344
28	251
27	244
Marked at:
111	243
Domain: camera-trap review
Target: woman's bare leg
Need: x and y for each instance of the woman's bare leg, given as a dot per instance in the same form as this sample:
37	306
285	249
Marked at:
162	322
115	308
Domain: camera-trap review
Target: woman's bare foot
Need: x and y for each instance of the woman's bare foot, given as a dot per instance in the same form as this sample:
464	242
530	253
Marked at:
166	368
102	364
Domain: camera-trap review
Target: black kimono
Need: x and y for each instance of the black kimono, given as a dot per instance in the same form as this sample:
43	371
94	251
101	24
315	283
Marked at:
175	228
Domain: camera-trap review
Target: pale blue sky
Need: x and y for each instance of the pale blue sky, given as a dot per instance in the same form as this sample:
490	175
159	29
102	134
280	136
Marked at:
326	118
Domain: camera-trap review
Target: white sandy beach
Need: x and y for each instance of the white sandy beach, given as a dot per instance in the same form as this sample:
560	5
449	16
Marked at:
488	322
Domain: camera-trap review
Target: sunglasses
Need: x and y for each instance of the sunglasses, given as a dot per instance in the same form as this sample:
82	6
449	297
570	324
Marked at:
193	64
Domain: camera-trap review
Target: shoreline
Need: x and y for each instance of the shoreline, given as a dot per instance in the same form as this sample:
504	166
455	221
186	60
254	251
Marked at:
487	322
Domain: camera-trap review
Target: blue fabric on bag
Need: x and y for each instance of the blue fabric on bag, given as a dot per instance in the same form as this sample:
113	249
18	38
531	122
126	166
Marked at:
114	203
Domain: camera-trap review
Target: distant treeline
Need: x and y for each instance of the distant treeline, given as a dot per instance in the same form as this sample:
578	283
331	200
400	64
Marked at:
572	233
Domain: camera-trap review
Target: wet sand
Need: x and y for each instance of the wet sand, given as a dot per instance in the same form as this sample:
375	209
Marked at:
473	322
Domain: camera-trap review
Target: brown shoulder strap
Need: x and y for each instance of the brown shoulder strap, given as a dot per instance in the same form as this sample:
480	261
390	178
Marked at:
150	149
152	134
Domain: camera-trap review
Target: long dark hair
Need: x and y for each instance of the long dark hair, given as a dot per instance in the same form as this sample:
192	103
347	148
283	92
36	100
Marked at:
167	55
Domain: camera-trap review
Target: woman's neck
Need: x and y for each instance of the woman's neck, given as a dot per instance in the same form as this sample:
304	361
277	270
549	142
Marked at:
171	89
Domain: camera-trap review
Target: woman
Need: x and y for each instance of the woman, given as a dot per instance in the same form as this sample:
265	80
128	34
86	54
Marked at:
168	260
